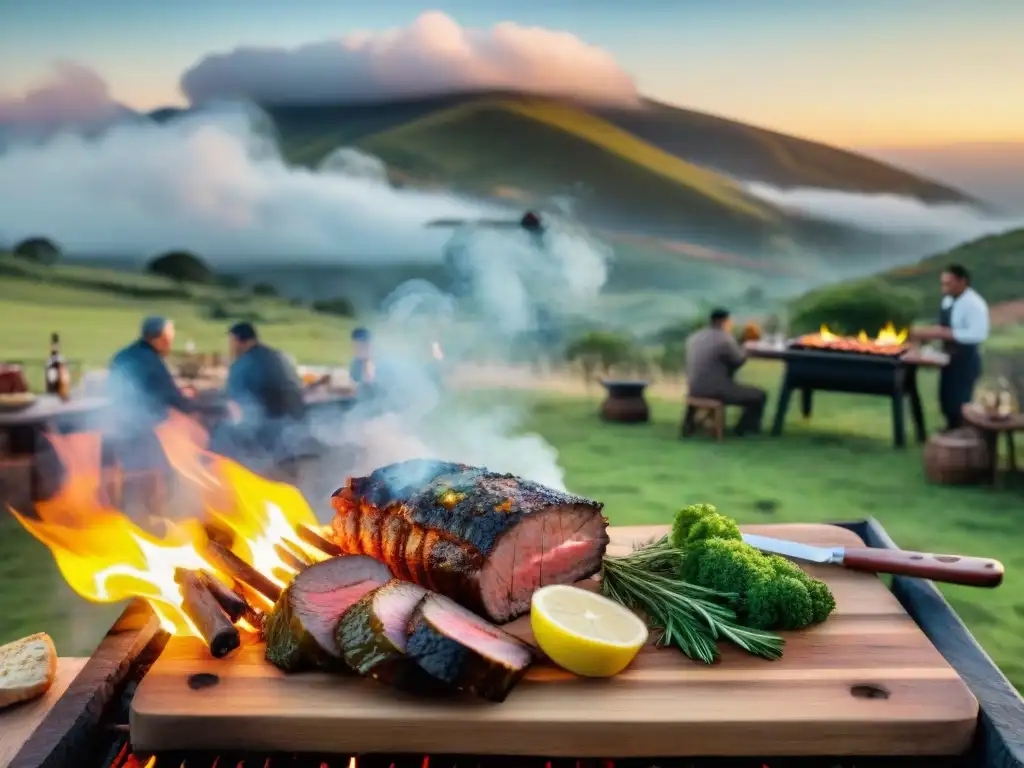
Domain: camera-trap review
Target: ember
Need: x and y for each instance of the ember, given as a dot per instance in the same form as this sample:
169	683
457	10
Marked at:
107	557
888	342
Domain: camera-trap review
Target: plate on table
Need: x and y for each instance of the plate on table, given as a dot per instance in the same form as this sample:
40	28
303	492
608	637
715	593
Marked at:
16	401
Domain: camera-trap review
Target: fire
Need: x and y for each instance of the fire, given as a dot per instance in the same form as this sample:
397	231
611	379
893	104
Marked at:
105	556
889	341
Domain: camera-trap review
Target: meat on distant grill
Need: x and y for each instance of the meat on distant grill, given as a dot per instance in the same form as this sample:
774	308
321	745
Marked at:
462	650
373	633
484	539
300	629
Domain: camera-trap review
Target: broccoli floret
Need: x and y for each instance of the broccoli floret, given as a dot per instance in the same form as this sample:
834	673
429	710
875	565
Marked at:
771	592
699	522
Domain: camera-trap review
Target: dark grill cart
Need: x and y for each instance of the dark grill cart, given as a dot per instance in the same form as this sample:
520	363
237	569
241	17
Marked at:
807	370
87	726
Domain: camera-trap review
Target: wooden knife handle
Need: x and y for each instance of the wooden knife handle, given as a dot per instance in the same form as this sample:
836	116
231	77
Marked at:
951	569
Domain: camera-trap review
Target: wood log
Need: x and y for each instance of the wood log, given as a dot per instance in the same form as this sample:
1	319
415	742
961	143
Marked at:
289	558
200	605
315	540
227	561
72	729
234	605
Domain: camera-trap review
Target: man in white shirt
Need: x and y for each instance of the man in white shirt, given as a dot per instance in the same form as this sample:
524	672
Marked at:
963	327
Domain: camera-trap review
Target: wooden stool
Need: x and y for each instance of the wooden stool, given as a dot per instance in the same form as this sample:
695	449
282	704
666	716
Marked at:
704	412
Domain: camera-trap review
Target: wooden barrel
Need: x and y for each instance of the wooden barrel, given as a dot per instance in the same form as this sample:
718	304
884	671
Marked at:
625	402
960	457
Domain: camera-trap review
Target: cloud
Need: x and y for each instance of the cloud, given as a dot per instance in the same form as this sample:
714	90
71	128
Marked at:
73	95
433	55
211	183
885	214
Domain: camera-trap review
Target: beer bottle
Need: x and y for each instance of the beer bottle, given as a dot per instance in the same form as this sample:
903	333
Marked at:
56	370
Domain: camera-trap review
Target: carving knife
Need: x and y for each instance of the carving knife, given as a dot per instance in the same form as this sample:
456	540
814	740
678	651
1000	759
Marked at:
951	569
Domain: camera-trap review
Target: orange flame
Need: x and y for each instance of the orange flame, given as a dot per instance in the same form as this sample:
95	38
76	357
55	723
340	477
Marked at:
888	341
106	557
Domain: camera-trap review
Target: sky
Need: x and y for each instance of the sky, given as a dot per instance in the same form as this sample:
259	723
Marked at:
865	73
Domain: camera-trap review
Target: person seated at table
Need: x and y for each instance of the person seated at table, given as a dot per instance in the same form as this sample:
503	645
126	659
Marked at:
362	370
712	358
265	402
142	392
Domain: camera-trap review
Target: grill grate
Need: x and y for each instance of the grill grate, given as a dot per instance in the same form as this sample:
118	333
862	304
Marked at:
121	756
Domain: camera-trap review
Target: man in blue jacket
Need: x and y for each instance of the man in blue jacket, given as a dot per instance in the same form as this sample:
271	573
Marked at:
268	411
142	392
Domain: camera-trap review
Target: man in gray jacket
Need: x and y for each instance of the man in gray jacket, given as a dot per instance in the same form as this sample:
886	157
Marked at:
712	358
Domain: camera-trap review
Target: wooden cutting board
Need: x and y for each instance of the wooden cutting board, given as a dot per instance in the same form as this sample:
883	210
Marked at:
866	682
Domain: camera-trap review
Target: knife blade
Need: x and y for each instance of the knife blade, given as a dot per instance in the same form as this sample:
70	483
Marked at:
951	569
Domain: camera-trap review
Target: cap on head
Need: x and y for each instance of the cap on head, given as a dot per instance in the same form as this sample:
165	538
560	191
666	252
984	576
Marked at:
153	327
361	334
244	332
718	315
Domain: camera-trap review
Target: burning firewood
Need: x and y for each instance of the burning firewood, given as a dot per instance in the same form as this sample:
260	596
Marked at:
290	556
227	561
234	605
315	540
199	604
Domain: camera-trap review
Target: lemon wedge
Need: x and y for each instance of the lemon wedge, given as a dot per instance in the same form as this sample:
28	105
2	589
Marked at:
584	632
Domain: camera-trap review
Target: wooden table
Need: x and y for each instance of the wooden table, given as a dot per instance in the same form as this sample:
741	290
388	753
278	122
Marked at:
866	682
808	370
992	427
17	723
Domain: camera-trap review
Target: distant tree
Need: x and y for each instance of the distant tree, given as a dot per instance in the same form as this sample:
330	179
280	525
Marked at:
264	289
341	306
38	249
601	351
853	307
182	266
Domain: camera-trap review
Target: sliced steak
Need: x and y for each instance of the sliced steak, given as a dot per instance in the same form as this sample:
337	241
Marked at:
372	636
457	647
300	629
484	539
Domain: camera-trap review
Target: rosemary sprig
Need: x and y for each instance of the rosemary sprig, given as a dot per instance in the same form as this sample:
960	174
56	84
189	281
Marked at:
685	615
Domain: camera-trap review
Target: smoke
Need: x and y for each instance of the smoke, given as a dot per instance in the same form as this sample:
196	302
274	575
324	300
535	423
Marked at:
214	183
432	55
886	214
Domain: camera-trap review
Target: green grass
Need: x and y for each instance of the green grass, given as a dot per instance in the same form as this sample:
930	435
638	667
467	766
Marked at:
95	322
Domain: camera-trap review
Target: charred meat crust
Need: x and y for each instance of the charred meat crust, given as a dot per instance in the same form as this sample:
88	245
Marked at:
463	651
440	524
372	636
300	629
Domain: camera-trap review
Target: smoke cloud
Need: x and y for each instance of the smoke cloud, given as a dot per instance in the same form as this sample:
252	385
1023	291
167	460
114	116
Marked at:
884	213
215	183
73	95
432	55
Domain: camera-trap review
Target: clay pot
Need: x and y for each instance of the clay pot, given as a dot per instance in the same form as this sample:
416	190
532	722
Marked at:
625	402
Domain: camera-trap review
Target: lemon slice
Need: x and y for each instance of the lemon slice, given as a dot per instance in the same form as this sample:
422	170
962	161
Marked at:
584	632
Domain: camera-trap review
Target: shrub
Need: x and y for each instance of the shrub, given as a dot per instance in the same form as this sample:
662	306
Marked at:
851	308
38	249
601	351
264	289
672	360
219	310
341	306
182	266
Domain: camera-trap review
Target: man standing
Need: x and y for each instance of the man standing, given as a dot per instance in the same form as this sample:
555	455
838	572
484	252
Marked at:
963	327
712	358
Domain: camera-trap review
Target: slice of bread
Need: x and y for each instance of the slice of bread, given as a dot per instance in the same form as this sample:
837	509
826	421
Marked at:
27	668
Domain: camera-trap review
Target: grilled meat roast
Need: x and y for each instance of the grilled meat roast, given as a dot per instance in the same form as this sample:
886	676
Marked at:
300	630
484	539
458	648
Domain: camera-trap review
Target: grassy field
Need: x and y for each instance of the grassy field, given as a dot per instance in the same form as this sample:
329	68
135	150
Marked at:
94	322
839	466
